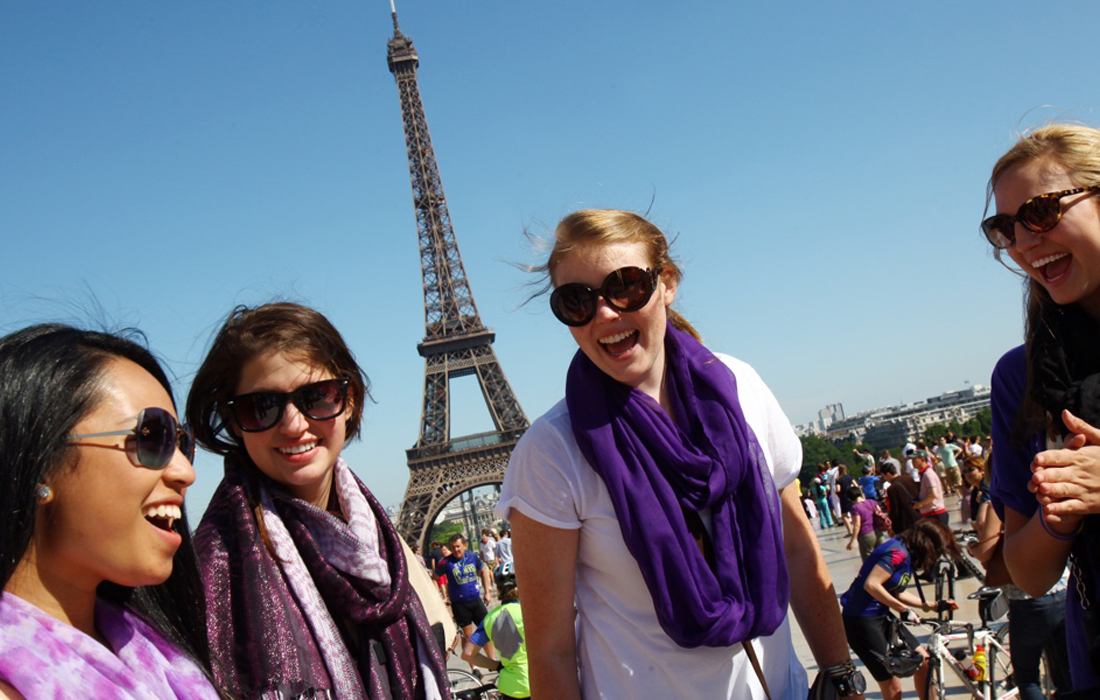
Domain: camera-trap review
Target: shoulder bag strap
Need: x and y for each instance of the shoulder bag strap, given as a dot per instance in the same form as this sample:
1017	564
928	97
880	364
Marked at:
747	644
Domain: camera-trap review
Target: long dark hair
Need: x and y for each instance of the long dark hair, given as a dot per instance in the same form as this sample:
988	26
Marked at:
51	378
928	540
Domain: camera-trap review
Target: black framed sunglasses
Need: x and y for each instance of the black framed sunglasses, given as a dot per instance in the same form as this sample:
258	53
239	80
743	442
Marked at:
153	442
1038	215
262	410
626	289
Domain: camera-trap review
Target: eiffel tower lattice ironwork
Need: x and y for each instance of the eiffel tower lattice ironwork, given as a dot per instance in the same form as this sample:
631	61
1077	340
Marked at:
456	343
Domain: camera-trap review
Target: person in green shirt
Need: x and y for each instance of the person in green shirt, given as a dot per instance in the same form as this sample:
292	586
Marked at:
503	627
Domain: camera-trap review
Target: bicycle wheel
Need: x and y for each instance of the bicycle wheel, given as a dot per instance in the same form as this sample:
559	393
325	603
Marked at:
944	587
935	679
462	680
999	660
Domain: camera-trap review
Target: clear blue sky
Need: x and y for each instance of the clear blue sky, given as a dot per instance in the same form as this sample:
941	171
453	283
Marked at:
822	166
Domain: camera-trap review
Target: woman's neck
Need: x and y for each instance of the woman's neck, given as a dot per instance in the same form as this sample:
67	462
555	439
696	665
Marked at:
57	595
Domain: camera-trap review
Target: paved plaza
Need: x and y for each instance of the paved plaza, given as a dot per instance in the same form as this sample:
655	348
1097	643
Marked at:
844	566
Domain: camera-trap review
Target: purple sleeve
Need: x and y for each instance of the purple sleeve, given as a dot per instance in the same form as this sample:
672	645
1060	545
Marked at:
1011	470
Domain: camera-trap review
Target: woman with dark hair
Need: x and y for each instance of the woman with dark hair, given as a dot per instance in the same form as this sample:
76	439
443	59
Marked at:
660	496
1046	393
863	523
880	588
100	591
309	587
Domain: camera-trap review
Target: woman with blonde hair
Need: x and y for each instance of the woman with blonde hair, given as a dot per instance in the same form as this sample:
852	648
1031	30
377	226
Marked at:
660	496
1046	393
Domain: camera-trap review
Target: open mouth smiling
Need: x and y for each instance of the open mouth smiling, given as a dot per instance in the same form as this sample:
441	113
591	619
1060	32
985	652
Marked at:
1053	266
163	516
297	449
619	343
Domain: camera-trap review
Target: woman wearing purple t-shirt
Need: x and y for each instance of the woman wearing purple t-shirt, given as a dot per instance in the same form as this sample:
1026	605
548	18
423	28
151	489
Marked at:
863	523
1046	394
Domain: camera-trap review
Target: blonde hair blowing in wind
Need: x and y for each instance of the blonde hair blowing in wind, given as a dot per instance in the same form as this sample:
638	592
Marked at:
601	227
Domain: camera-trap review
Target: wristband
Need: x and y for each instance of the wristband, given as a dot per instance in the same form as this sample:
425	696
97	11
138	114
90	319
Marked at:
839	669
1064	538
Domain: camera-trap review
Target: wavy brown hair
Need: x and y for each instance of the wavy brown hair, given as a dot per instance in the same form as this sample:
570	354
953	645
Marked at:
293	329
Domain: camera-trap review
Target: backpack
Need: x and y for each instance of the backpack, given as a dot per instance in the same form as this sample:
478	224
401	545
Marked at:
882	521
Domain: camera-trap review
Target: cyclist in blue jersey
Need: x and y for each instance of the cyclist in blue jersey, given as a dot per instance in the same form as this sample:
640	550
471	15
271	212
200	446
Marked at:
880	588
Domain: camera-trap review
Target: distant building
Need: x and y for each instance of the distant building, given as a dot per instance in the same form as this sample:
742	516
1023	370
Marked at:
832	413
881	428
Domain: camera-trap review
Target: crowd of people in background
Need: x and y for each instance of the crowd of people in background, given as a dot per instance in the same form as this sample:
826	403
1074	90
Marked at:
929	478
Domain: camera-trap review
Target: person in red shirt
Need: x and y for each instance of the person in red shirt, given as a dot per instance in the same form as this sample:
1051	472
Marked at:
931	503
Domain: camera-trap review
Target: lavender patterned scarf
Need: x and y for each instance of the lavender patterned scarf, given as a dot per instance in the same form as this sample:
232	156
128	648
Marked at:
662	470
332	615
46	658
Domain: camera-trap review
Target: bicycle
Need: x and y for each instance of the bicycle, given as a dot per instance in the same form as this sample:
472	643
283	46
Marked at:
952	645
467	686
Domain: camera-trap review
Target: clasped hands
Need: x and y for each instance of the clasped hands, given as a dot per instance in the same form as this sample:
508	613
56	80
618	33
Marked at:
1066	481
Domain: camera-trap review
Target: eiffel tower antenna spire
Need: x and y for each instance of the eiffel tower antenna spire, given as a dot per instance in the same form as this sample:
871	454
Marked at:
456	343
393	14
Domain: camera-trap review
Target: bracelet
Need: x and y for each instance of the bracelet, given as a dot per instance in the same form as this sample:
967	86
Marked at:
840	669
1064	538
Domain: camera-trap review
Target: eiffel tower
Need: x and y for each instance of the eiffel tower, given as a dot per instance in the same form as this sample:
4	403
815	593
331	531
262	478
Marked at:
456	343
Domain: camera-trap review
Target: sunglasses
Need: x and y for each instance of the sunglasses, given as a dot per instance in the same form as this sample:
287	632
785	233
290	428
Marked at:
262	410
154	440
626	289
1038	215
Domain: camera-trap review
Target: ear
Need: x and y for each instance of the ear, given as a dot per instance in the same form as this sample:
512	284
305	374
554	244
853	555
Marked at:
44	494
349	410
668	286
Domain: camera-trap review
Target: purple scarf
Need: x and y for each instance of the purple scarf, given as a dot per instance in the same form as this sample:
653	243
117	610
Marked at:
660	471
46	658
262	636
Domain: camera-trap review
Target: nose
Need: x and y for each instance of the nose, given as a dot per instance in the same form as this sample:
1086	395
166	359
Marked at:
179	474
605	310
293	420
1025	239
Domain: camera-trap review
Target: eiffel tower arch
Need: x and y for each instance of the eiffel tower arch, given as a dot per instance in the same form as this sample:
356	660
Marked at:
456	343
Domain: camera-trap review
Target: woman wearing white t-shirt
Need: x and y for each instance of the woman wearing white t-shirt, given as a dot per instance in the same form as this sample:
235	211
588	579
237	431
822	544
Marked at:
659	496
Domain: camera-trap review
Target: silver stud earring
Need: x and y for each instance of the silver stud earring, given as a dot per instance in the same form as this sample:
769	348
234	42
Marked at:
43	492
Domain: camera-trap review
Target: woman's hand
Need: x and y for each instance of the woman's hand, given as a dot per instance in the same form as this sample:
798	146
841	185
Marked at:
1066	482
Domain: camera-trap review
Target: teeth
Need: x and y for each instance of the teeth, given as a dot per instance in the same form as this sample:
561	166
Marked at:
298	449
1048	259
616	338
170	512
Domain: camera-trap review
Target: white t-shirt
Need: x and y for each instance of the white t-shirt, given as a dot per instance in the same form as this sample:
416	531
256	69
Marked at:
622	651
488	550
